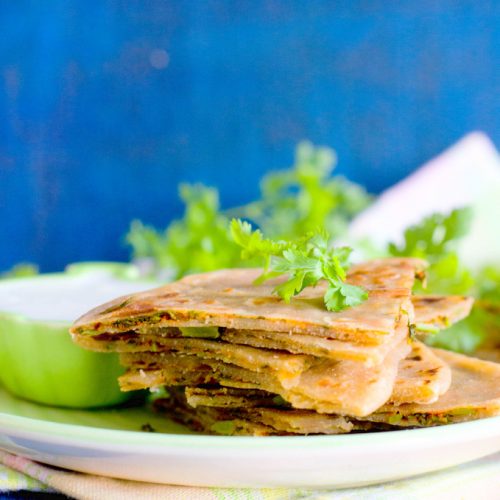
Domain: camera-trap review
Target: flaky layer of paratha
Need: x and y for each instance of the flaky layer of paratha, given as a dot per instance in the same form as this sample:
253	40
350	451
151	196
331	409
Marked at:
439	311
474	393
229	397
228	298
489	352
451	309
281	364
210	420
328	386
422	378
263	421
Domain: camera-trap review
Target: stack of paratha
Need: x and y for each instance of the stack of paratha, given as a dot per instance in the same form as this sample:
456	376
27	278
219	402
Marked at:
236	359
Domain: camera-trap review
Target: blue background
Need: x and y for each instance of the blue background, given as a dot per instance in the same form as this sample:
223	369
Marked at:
106	105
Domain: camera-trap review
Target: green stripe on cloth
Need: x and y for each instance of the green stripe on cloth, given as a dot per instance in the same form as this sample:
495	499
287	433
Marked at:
11	480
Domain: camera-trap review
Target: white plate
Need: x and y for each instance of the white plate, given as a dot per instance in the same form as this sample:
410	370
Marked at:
109	443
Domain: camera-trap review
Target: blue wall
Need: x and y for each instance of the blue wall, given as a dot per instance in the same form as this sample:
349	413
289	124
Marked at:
106	105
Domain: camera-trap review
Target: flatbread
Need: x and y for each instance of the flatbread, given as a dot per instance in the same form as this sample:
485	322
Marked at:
437	311
346	388
451	309
474	393
489	351
427	314
228	397
228	298
262	421
422	378
324	385
209	420
369	355
282	365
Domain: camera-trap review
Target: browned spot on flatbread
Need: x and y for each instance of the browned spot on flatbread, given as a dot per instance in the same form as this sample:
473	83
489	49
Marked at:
430	371
417	357
305	314
116	307
431	300
259	301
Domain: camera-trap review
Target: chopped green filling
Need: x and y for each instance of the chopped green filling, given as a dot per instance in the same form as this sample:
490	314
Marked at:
395	419
160	392
422	327
203	332
412	330
225	427
279	401
461	412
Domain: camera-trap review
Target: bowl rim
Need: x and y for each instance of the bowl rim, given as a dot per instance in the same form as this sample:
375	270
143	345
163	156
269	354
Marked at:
71	272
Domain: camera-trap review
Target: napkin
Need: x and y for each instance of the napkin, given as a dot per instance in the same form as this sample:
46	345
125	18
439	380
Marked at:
479	480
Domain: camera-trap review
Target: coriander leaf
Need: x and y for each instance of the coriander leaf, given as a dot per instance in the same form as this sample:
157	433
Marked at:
435	239
198	242
341	295
334	300
488	287
304	197
446	275
253	242
305	261
353	295
22	270
465	336
435	235
292	287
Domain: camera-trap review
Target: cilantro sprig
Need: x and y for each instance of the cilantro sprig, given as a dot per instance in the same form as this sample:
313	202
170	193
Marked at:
198	242
21	270
305	196
292	202
305	261
435	235
436	239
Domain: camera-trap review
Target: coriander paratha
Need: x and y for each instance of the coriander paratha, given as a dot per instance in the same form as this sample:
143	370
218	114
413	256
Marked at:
474	393
260	421
228	298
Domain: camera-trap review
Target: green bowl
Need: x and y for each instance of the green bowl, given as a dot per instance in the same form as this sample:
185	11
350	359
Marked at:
38	359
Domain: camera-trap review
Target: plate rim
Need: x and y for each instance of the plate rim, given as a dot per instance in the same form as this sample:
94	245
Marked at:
91	436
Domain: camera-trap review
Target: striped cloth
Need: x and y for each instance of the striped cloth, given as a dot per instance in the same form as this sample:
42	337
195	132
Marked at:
479	480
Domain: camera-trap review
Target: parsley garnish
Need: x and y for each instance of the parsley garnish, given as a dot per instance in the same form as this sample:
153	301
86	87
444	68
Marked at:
306	261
